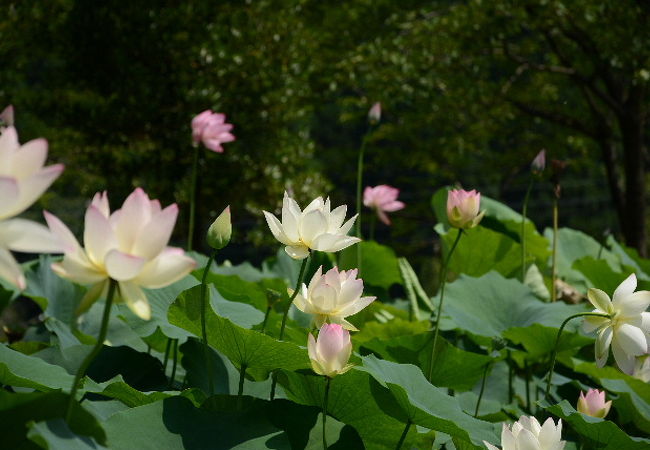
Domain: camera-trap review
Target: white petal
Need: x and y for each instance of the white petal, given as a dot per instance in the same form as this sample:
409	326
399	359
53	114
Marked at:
631	339
10	270
31	188
351	291
592	323
333	242
633	304
8	147
317	203
603	342
353	308
526	440
9	194
23	235
345	229
336	218
312	225
154	236
549	435
78	272
100	201
66	239
170	266
625	288
624	361
99	237
297	251
599	299
290	219
134	214
29	158
122	266
276	228
135	299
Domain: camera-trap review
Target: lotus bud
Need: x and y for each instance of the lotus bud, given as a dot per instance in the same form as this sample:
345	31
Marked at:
330	354
539	163
463	208
374	115
220	231
212	130
7	116
593	404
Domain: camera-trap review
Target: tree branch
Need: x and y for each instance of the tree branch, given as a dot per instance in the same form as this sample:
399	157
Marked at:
555	117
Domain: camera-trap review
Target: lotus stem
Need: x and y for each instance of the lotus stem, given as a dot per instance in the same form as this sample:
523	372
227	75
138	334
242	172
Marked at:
402	438
174	362
195	171
510	377
327	393
204	332
554	260
362	150
480	394
524	211
301	275
240	390
166	357
557	341
112	285
443	280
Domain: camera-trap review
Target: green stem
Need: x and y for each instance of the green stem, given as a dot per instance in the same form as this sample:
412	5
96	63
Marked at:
554	260
166	357
524	211
266	319
402	438
301	275
174	362
95	351
557	341
527	376
480	394
327	393
510	376
443	279
240	390
362	150
204	332
195	171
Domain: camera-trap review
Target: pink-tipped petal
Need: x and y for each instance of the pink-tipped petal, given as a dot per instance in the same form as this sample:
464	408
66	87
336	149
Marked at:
122	266
170	266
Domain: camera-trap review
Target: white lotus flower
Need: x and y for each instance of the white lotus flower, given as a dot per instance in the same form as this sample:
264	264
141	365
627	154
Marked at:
22	181
628	327
528	434
315	228
332	297
129	246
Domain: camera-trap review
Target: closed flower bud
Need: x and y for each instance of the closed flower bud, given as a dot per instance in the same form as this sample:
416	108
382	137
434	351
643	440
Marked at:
330	353
7	116
220	231
374	115
593	404
463	208
539	163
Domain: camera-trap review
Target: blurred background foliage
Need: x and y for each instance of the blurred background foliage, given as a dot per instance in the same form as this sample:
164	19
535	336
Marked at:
471	91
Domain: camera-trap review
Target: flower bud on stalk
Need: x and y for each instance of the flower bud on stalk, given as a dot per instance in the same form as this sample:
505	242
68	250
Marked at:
220	231
374	115
593	404
539	163
330	353
463	208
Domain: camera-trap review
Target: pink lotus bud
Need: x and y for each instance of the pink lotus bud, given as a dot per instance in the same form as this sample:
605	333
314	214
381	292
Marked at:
593	404
211	129
374	115
539	163
383	199
463	208
329	354
7	116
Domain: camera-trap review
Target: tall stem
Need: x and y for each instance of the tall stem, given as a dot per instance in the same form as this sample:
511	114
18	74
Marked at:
480	394
443	282
510	376
362	150
95	351
204	331
195	171
527	376
557	341
524	211
402	438
166	357
240	390
327	393
301	275
554	261
174	362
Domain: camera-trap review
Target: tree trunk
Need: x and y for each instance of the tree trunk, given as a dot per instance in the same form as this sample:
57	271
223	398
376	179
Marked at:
631	123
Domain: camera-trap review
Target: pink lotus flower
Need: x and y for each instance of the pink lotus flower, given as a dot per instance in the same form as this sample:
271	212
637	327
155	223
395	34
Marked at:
22	181
539	163
7	116
463	208
330	354
593	404
211	129
129	246
383	199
